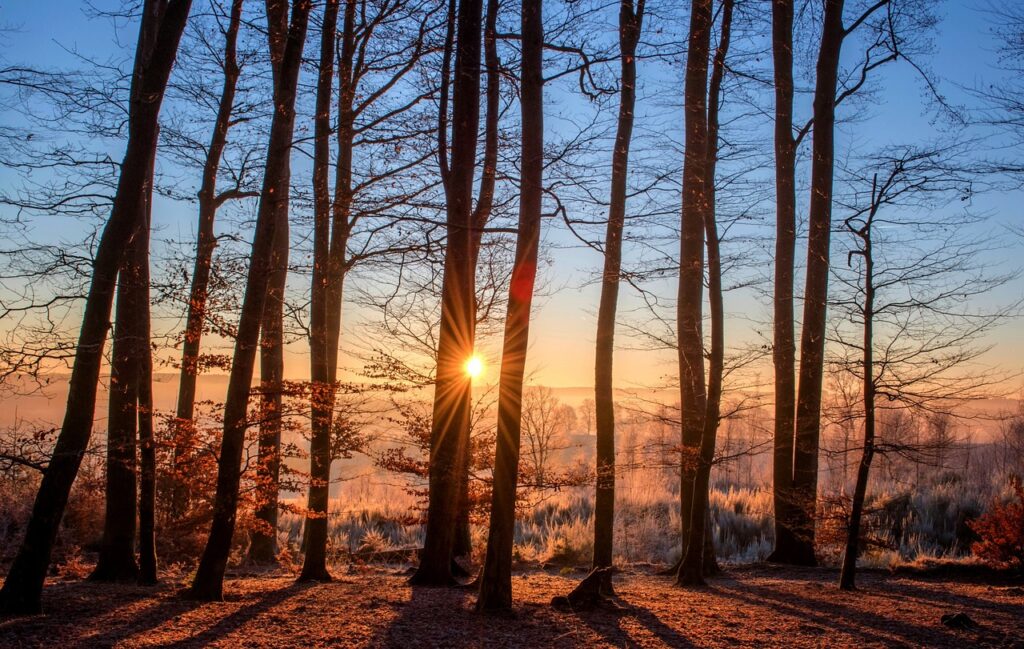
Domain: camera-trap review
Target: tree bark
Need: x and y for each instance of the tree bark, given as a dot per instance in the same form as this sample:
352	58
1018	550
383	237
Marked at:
699	559
630	25
205	244
208	582
481	214
147	439
314	567
848	575
453	389
496	578
263	539
159	33
116	562
812	340
784	348
693	398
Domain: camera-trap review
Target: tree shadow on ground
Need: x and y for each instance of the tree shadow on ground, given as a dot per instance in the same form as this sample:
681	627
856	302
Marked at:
104	601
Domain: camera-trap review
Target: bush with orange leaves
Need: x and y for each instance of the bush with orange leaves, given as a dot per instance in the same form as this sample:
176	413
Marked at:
1002	531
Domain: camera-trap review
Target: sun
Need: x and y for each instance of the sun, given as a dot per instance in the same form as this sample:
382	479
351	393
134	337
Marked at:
474	366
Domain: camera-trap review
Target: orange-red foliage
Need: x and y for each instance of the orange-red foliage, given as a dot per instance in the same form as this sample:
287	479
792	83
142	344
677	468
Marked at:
1002	531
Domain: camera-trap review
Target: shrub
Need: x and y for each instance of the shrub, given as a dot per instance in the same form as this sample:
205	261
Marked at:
1001	531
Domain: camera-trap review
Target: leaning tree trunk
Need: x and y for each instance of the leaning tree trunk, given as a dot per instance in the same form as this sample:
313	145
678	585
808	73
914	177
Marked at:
208	582
691	285
630	25
784	348
314	565
812	340
162	25
453	389
496	578
205	244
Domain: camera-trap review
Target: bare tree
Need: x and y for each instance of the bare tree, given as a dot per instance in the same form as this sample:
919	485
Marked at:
630	26
911	272
208	582
496	577
452	387
160	30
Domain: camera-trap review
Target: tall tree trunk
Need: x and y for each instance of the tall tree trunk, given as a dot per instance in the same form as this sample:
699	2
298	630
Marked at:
205	244
314	565
116	562
481	214
159	33
208	582
263	539
630	25
693	398
812	340
698	560
784	348
496	578
847	577
453	389
147	440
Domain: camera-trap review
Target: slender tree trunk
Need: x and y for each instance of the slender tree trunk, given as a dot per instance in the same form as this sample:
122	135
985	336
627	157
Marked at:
208	582
812	341
693	398
784	349
847	577
453	389
496	578
205	245
314	565
162	25
482	213
630	25
147	440
697	559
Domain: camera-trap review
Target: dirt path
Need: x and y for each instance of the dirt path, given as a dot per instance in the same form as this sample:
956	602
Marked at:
754	607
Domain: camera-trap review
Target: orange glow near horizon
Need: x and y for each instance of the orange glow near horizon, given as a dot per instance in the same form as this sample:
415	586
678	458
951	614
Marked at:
474	366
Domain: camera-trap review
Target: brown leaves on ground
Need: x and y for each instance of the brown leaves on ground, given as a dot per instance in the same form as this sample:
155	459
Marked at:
761	606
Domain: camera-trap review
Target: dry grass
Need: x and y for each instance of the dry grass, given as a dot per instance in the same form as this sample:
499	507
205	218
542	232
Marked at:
756	606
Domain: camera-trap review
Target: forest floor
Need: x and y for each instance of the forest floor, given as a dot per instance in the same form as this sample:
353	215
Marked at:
747	606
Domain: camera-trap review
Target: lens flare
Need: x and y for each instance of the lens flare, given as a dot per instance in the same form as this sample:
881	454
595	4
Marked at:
474	366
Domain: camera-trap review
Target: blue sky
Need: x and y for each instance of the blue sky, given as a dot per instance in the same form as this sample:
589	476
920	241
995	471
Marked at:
965	57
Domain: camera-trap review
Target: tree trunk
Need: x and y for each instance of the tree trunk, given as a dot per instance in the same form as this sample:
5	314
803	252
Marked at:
847	577
630	25
162	25
496	578
453	389
208	582
485	201
263	539
784	348
812	341
699	558
691	287
147	441
205	244
314	565
116	562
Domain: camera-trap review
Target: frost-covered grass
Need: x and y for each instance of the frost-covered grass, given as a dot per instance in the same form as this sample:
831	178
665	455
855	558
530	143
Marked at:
907	525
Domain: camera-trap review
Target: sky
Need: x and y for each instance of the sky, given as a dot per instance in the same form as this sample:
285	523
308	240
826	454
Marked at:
562	333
